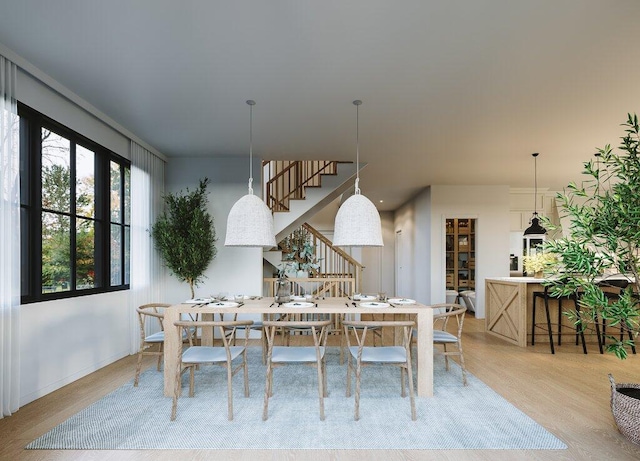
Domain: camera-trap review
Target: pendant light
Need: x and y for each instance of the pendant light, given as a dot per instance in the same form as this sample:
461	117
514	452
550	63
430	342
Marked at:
358	221
535	228
250	222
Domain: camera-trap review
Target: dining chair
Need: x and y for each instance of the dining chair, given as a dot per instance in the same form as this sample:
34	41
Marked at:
150	343
278	356
257	325
441	335
377	333
224	355
469	299
361	356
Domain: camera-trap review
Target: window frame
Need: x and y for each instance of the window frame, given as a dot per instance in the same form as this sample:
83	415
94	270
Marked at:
31	124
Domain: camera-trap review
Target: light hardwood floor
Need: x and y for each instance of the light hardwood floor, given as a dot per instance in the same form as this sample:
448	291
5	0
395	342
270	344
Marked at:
567	393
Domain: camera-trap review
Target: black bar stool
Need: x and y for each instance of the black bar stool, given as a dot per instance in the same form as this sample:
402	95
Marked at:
545	296
620	285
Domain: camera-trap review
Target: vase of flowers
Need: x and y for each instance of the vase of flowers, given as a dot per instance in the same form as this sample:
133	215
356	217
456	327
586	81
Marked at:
535	265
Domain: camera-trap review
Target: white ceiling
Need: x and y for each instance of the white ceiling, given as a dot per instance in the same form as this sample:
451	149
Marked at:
455	92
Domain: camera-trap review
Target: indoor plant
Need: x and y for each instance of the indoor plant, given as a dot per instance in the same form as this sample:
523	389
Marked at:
604	240
299	253
185	236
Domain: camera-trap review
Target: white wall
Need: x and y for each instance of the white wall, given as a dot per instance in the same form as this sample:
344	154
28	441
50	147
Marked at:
406	272
64	340
234	270
41	98
422	222
379	262
489	205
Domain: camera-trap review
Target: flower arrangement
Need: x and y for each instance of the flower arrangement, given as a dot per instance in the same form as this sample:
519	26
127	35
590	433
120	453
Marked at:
537	263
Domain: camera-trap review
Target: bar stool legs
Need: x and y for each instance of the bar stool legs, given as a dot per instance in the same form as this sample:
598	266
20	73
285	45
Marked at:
579	328
545	298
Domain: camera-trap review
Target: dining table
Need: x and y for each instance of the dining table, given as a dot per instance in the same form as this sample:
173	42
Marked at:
423	315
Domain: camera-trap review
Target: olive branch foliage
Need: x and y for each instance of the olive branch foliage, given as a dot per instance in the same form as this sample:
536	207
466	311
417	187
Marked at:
603	242
185	235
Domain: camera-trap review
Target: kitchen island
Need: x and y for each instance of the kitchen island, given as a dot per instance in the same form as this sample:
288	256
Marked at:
509	309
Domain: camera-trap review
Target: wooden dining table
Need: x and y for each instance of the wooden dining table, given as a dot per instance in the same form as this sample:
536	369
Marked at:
423	315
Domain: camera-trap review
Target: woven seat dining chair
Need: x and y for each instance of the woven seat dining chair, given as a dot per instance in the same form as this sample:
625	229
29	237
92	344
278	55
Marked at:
257	325
150	317
315	355
442	336
224	355
361	355
377	334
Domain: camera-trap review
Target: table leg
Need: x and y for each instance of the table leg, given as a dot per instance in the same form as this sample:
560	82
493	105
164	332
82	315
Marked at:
172	343
424	328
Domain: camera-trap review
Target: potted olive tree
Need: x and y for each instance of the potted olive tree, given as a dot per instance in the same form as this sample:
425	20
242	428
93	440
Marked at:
603	247
185	236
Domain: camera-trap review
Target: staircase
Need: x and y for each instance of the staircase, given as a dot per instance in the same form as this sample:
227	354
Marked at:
295	191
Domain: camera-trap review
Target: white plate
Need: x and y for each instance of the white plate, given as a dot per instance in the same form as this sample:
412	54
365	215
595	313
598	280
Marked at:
223	304
364	298
198	301
401	301
298	304
298	298
374	305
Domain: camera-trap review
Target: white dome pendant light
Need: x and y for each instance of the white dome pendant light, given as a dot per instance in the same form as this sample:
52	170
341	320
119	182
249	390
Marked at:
357	221
250	222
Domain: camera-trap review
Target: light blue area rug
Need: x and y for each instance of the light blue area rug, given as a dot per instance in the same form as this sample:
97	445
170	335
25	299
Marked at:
457	417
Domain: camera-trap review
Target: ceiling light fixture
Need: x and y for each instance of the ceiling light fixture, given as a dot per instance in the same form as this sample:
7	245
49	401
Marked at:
250	222
358	221
535	229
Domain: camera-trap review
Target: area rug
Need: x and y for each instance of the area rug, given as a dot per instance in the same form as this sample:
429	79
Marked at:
457	417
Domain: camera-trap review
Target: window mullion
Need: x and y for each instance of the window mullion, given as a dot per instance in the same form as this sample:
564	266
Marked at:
36	194
72	218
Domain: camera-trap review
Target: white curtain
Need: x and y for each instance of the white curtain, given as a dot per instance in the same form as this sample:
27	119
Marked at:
9	241
147	270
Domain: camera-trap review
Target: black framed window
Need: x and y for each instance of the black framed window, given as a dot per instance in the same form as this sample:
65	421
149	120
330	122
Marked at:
75	212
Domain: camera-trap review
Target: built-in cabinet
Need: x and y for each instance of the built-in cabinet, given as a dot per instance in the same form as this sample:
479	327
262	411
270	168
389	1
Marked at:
460	248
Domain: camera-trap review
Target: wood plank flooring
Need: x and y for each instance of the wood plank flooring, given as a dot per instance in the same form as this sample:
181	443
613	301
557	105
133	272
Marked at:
567	393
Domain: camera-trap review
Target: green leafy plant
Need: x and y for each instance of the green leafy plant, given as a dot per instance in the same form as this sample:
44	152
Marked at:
604	240
185	236
299	253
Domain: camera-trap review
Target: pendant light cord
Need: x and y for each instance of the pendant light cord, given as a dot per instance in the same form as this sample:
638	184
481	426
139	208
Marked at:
535	184
251	103
357	103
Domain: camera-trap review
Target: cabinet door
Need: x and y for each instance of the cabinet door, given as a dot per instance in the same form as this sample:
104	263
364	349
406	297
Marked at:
460	254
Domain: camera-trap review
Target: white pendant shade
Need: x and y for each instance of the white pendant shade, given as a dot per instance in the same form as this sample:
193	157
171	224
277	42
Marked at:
358	224
357	221
250	224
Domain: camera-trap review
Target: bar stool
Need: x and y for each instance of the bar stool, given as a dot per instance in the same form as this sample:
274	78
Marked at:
620	285
545	296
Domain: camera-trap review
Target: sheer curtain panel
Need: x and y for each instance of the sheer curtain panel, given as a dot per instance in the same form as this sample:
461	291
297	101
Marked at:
9	241
147	270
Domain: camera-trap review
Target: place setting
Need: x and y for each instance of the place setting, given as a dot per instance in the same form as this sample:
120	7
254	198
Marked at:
401	301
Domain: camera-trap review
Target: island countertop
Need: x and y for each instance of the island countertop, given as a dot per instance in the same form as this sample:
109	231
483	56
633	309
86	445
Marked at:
517	279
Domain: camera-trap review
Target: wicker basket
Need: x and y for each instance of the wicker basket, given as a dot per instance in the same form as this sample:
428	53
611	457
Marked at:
626	411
